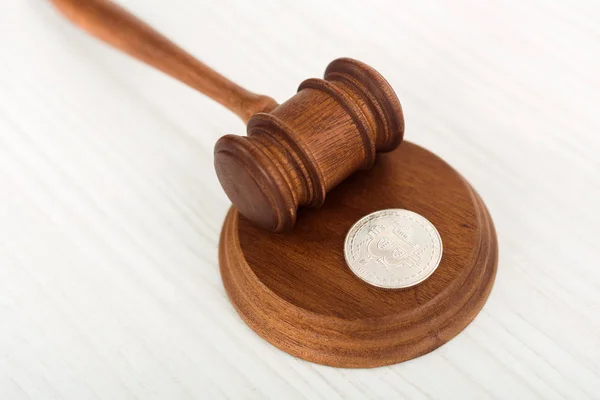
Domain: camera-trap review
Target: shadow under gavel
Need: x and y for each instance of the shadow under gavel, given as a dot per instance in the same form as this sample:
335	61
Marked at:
294	152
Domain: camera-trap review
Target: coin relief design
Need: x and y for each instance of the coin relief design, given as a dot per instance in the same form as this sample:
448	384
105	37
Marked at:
393	249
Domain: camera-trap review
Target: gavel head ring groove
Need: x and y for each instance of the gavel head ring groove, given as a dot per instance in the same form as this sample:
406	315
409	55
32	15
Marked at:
300	150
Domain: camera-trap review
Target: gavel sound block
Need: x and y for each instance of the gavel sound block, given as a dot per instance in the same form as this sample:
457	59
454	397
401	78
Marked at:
294	288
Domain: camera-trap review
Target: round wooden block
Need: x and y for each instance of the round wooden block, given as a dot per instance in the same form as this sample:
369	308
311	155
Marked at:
296	291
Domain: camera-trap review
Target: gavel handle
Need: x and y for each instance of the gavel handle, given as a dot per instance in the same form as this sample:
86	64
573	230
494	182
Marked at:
114	25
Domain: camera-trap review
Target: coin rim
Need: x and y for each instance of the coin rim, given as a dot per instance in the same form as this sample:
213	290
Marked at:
439	258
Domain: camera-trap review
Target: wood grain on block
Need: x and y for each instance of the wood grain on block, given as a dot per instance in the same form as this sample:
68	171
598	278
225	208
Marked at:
296	291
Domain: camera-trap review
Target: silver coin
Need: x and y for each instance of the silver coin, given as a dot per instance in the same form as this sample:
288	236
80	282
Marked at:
393	249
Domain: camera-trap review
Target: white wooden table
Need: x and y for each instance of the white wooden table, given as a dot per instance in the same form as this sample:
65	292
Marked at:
110	209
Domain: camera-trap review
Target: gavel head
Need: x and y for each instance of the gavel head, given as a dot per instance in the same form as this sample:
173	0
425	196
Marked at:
293	155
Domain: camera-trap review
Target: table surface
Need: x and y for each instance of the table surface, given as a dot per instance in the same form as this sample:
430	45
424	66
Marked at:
110	209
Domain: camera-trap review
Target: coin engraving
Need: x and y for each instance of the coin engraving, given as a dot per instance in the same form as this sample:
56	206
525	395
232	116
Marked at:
393	248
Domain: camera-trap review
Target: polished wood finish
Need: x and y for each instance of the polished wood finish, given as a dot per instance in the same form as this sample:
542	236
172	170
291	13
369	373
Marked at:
305	147
295	152
112	24
296	291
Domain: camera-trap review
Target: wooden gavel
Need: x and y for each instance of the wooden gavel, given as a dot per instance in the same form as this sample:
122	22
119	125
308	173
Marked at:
294	152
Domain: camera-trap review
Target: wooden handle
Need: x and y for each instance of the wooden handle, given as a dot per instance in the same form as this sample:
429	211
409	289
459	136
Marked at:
114	25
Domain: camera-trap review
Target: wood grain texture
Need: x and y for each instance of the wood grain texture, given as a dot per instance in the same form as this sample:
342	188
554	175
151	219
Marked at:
296	291
110	210
310	143
114	25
